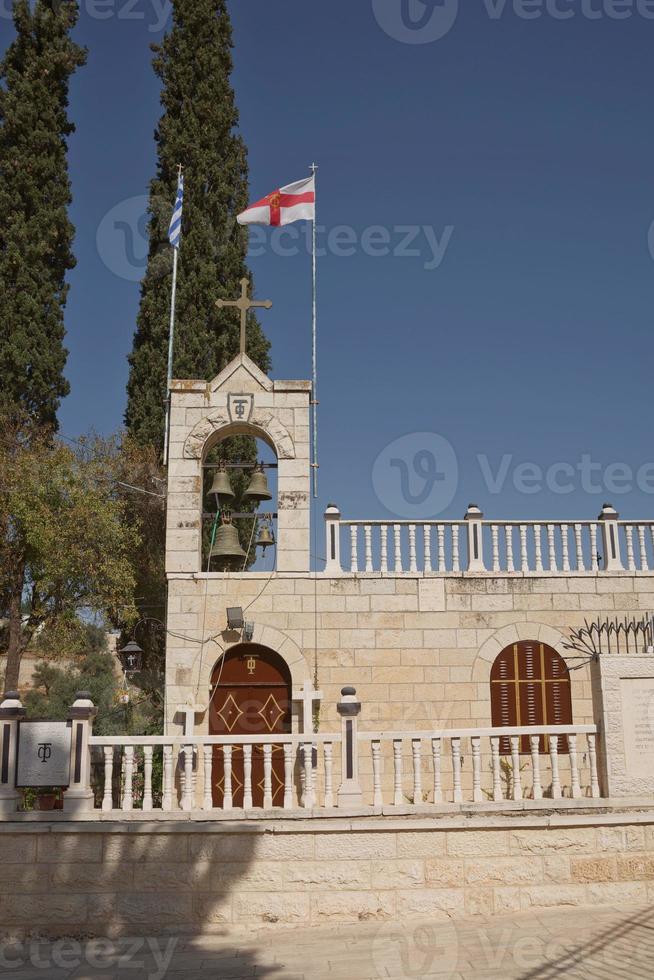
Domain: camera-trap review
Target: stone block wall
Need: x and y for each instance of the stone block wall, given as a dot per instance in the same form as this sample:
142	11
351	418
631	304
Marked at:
64	879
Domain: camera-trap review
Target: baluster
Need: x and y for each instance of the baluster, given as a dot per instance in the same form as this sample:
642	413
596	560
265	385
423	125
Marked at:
398	797
594	564
643	548
147	778
288	776
456	769
187	791
592	757
107	799
247	777
456	558
384	548
441	547
207	760
354	552
495	538
581	566
551	545
416	749
228	800
397	533
426	534
554	762
538	548
516	780
267	777
574	767
631	561
498	794
436	756
534	741
368	540
413	561
307	750
565	554
508	537
524	557
128	794
476	770
167	796
329	769
378	799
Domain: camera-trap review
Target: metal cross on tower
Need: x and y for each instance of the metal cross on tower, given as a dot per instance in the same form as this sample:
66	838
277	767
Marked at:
244	304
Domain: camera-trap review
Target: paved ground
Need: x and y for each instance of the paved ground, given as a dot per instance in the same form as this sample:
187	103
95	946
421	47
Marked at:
585	944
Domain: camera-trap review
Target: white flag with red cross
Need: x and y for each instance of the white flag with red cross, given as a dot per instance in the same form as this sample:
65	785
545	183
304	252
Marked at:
295	202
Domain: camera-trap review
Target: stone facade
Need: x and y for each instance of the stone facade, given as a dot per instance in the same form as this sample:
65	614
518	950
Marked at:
418	646
111	879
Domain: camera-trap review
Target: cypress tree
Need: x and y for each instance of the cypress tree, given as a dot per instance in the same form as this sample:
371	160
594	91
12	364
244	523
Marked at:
197	129
35	232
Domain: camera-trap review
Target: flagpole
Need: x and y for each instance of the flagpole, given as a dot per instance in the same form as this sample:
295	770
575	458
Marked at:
314	335
171	342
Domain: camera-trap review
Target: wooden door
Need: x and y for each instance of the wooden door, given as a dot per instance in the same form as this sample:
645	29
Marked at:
250	695
530	685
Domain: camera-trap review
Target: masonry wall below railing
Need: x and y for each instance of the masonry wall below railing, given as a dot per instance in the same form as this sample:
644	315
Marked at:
475	545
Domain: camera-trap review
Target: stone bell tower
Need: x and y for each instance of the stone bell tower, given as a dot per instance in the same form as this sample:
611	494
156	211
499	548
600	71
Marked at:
242	400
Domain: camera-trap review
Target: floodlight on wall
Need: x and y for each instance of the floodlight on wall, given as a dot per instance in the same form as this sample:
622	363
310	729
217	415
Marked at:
235	618
248	632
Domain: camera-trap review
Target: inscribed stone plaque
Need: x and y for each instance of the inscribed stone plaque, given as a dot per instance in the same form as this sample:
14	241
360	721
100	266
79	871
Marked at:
638	721
43	753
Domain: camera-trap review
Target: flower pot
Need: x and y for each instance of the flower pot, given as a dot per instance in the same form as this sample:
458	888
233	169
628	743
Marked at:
46	801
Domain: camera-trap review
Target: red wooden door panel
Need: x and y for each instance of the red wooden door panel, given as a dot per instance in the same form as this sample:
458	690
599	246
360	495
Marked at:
250	695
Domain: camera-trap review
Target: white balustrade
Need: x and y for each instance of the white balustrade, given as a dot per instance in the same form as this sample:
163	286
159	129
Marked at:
551	548
476	766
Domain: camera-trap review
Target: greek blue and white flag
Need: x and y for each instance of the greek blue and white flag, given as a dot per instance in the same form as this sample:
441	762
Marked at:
175	230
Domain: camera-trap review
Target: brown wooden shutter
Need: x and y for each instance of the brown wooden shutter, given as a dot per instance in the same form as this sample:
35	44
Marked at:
530	685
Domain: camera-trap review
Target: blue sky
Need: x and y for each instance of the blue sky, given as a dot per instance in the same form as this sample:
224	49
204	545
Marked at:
512	158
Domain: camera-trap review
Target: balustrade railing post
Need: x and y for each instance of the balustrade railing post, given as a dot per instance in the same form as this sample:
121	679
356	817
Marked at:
167	797
477	795
108	796
207	758
592	759
349	792
327	751
333	544
79	795
398	793
436	760
554	762
534	742
574	767
147	778
377	797
457	792
498	793
128	784
288	776
187	793
416	751
610	532
474	519
247	777
516	779
11	711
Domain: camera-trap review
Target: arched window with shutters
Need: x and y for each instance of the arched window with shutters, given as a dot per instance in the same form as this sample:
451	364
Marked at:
530	685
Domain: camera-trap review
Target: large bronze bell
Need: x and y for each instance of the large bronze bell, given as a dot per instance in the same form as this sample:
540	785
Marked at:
221	487
227	549
266	537
258	489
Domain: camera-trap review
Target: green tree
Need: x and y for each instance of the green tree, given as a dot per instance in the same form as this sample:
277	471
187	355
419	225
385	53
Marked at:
197	129
35	231
67	547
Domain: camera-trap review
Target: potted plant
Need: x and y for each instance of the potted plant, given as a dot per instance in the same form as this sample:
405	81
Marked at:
48	797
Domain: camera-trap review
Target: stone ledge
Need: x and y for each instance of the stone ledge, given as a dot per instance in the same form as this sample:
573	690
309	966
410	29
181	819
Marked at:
590	813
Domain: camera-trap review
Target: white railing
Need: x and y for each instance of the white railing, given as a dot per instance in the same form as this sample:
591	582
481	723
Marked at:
407	769
187	764
559	762
477	545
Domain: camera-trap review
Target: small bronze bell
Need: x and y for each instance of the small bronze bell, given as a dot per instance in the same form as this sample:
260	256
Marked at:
258	489
221	487
227	549
266	537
